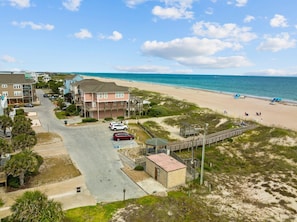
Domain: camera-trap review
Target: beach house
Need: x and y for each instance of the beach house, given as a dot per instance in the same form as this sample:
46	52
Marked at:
18	88
68	81
100	100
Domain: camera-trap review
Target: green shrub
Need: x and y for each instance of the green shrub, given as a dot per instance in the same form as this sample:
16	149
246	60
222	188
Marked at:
139	168
1	202
108	119
13	182
19	112
89	120
120	118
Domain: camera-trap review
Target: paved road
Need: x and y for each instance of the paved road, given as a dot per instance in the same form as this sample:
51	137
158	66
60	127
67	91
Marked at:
92	150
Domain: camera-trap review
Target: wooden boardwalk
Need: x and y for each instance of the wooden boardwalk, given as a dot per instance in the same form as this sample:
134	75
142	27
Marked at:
209	139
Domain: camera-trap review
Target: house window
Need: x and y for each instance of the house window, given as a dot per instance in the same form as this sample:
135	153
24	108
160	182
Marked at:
93	104
103	95
17	93
4	93
17	86
119	95
4	86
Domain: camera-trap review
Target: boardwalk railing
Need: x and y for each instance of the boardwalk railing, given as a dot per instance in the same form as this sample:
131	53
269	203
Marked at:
209	139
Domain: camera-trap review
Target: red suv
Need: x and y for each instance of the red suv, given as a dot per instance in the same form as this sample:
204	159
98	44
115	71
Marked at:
122	136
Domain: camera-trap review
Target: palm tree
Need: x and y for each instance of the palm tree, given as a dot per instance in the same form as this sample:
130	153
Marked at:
5	122
34	206
4	147
22	163
23	141
22	125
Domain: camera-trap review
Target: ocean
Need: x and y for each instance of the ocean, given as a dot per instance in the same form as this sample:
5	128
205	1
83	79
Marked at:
284	88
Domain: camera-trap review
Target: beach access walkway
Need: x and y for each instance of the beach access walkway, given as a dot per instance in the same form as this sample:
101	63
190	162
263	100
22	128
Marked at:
209	139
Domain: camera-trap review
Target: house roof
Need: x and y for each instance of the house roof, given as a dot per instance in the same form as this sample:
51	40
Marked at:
92	85
156	142
166	162
14	78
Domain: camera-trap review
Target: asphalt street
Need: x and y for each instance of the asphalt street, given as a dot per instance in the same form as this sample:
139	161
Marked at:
92	150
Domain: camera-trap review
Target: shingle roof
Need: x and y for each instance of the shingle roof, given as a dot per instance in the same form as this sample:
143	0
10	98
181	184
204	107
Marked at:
14	78
92	85
166	162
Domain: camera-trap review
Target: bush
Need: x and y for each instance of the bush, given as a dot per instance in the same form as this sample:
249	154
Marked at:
120	118
89	120
1	202
139	168
108	119
19	112
13	182
157	111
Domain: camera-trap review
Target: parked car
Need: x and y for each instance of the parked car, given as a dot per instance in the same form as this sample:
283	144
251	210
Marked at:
28	105
122	136
119	127
113	123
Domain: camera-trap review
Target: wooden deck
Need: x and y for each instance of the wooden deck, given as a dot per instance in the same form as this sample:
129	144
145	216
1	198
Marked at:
209	139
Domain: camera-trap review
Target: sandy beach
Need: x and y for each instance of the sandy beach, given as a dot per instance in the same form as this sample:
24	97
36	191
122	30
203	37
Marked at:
283	115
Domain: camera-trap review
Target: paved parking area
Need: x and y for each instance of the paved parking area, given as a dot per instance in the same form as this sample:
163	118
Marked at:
93	151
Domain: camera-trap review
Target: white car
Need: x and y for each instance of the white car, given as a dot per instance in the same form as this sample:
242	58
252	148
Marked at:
118	127
113	123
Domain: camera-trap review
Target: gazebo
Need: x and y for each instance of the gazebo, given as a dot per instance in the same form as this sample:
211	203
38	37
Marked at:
155	144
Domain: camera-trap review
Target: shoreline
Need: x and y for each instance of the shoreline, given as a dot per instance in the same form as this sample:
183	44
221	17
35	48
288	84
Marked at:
280	114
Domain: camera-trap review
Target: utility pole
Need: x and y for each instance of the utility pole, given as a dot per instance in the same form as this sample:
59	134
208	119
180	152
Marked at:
203	154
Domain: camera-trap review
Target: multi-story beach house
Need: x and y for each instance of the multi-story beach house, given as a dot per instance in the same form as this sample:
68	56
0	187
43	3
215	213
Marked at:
18	88
101	100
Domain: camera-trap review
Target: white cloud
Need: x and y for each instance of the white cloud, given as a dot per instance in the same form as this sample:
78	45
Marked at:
7	58
83	34
275	44
248	19
72	5
33	25
186	47
133	3
172	13
116	36
194	52
241	3
20	3
227	31
278	21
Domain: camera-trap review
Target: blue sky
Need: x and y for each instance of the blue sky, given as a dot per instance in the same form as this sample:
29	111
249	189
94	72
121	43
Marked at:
245	37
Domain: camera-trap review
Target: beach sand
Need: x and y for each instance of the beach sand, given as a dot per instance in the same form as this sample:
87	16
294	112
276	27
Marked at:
283	115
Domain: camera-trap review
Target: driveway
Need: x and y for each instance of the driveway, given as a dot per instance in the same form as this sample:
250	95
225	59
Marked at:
93	151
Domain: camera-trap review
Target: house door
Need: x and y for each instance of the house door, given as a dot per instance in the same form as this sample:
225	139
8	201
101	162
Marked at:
156	173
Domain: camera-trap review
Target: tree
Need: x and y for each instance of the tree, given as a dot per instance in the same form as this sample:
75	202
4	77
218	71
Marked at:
23	141
5	122
22	163
4	147
22	125
35	206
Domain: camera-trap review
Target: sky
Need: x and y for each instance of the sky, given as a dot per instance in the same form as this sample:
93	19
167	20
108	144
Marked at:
228	37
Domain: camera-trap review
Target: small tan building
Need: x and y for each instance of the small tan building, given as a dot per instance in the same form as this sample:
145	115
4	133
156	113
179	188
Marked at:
166	170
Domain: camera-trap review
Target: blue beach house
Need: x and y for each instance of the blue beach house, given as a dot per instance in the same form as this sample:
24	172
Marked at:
70	80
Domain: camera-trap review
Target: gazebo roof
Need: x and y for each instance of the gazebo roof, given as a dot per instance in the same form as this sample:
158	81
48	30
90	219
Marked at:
156	142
